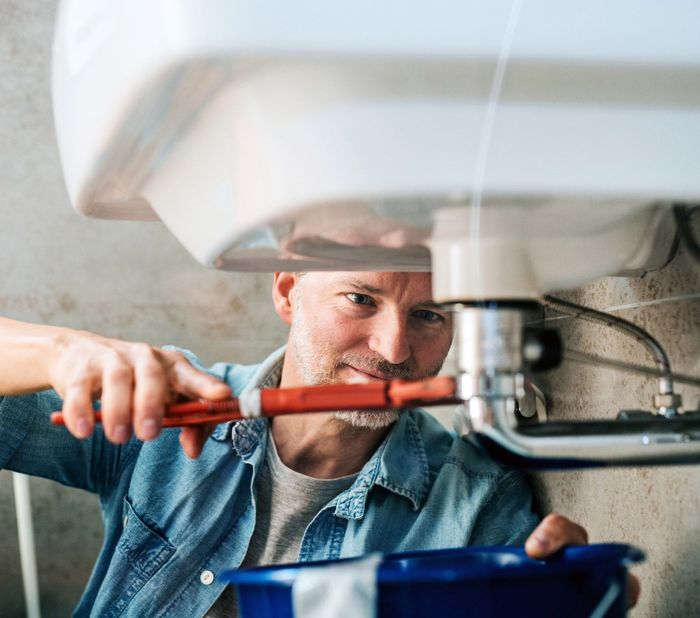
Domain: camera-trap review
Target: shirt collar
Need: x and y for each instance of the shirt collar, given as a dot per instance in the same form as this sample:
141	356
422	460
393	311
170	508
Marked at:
246	436
400	464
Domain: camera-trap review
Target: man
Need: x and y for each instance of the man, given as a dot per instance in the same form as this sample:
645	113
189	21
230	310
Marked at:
302	487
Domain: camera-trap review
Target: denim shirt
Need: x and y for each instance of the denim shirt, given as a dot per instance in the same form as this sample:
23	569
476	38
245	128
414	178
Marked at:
171	522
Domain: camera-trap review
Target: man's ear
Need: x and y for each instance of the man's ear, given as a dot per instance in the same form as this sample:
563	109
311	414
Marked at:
282	287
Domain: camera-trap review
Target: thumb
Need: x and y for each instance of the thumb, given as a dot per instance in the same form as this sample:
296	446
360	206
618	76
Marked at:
192	439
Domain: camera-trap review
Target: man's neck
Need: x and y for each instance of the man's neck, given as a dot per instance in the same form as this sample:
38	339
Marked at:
321	446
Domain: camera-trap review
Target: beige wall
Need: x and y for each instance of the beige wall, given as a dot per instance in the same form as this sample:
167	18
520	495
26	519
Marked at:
656	509
126	280
135	281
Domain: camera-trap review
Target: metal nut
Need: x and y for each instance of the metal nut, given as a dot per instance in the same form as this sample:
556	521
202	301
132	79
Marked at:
670	400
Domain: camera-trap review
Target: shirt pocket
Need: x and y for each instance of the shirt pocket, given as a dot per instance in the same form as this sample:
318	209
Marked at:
140	552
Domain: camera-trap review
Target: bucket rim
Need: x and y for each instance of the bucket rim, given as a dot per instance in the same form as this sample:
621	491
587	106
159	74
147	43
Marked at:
501	562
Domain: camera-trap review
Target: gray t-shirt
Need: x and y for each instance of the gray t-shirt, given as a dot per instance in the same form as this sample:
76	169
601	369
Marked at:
286	503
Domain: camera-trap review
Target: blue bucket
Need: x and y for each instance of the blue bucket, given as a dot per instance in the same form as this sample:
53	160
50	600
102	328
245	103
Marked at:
586	581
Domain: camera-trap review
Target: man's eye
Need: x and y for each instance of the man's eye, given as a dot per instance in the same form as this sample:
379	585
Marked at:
360	299
427	315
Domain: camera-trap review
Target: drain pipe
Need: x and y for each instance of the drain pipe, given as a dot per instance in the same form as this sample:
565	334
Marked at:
27	552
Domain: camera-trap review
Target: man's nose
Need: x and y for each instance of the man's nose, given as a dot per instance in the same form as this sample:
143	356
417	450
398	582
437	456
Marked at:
389	338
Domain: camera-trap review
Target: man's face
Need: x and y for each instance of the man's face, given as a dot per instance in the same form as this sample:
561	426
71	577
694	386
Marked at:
366	327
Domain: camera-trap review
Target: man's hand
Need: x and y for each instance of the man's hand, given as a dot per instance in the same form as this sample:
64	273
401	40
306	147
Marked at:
134	382
555	532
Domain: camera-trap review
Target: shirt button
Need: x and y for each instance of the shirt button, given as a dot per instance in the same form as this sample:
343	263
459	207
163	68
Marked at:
206	577
126	520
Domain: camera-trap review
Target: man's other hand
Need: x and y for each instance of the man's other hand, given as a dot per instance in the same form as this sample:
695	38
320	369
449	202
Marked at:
134	382
555	532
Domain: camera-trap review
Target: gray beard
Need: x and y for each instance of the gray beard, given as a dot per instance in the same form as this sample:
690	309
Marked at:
367	419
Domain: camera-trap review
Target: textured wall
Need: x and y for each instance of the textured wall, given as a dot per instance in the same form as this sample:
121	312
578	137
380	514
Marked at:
125	279
135	281
653	508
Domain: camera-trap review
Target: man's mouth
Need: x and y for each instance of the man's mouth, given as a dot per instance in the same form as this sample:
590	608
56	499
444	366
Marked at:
367	375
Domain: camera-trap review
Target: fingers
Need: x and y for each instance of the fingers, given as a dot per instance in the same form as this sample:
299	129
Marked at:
150	392
135	380
194	384
116	400
157	374
633	590
192	439
77	409
554	532
188	381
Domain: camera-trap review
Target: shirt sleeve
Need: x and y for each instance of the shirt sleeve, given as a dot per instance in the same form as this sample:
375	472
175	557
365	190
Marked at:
507	517
30	444
236	376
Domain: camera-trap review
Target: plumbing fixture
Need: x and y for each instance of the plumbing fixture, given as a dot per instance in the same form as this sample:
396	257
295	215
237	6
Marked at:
507	158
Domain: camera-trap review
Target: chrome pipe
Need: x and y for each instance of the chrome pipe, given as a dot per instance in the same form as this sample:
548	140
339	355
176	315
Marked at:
654	440
667	402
